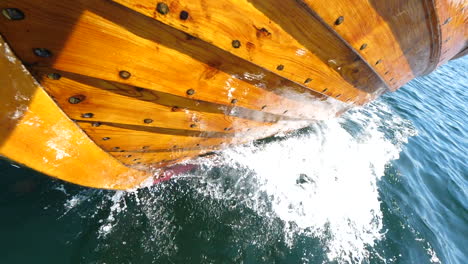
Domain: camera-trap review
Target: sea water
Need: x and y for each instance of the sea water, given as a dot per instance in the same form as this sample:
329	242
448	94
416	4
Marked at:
385	183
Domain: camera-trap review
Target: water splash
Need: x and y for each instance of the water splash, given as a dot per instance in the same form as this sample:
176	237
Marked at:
319	182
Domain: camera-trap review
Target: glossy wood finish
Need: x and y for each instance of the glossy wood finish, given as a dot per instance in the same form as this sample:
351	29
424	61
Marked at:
396	37
297	49
157	159
126	138
34	132
82	45
453	20
154	82
139	107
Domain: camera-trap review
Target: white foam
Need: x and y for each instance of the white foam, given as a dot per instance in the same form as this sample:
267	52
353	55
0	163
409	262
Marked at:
337	201
340	194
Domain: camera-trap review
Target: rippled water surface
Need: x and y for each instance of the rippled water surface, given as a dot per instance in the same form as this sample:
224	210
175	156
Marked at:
386	183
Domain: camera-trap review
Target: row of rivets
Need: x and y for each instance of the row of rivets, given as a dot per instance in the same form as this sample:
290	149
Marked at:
340	20
163	9
16	14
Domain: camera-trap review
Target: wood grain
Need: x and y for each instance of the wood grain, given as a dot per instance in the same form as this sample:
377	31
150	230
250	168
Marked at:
118	103
34	132
159	86
156	159
453	20
280	35
126	138
94	40
397	34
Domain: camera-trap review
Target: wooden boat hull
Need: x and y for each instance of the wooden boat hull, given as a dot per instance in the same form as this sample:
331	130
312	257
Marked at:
126	87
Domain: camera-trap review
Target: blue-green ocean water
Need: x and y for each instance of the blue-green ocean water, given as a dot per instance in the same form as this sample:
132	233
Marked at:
386	183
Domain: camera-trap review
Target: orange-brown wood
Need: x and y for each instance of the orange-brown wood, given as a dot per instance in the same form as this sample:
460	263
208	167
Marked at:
155	82
280	35
156	159
94	40
395	37
126	138
89	99
453	20
34	132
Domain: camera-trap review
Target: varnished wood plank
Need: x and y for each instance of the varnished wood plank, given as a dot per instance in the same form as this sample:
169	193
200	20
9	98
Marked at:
94	40
34	132
89	99
281	36
453	20
401	35
124	138
177	103
157	158
369	34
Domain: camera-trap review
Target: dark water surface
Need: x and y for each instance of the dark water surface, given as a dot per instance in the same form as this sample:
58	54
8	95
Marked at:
383	184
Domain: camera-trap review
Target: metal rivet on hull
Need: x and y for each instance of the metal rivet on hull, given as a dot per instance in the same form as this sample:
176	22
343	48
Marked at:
54	76
13	14
162	8
42	52
76	99
339	20
184	15
87	115
236	44
125	74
